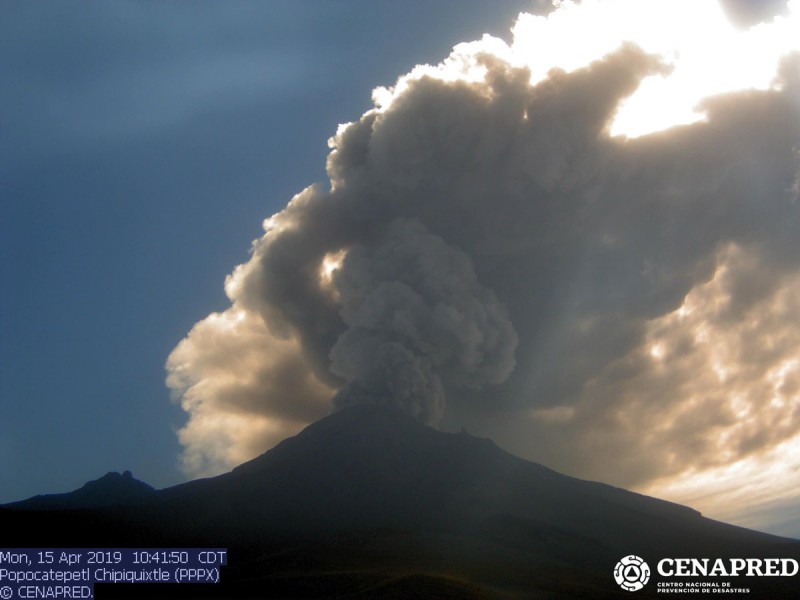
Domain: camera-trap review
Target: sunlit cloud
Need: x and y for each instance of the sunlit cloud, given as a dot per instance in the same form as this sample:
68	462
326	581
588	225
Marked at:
245	389
704	54
759	491
582	244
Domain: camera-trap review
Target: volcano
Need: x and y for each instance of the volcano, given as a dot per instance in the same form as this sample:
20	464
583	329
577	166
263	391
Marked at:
369	503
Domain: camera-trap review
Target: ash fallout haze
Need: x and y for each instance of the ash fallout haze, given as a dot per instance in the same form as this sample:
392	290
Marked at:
579	239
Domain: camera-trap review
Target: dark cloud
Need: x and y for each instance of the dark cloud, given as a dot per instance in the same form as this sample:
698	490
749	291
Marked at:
489	254
416	318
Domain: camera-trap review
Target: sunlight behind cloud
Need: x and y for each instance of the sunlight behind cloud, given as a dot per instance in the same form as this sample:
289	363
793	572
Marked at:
632	297
754	379
719	493
705	53
331	262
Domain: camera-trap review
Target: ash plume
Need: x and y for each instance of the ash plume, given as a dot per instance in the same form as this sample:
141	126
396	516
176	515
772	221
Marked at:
488	253
416	316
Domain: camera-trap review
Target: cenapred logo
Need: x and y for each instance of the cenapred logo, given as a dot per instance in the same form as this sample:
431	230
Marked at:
632	573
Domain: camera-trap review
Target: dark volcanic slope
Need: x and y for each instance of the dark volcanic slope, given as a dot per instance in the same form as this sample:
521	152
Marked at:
370	503
372	467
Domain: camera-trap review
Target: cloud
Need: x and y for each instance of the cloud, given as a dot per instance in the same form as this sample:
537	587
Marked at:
709	384
491	252
759	491
231	375
416	319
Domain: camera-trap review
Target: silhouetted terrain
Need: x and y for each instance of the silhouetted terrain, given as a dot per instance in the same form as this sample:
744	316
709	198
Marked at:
112	489
368	503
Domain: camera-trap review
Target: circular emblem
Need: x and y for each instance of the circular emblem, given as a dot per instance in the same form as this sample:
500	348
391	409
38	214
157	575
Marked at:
632	573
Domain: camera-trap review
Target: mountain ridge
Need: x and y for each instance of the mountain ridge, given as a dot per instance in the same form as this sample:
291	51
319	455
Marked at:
112	489
370	499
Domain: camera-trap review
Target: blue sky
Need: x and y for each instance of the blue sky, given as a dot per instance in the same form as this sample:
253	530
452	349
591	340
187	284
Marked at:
143	144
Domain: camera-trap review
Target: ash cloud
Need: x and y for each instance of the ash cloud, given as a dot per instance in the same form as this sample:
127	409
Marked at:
488	254
416	317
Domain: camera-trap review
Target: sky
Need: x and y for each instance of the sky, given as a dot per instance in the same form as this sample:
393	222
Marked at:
493	245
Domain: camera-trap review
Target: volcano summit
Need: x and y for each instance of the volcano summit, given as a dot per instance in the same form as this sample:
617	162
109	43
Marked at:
369	502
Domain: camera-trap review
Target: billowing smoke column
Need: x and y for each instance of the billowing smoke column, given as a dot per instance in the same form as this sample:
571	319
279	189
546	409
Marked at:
416	315
490	254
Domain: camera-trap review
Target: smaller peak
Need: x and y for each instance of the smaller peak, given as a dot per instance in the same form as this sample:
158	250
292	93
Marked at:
112	489
114	480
